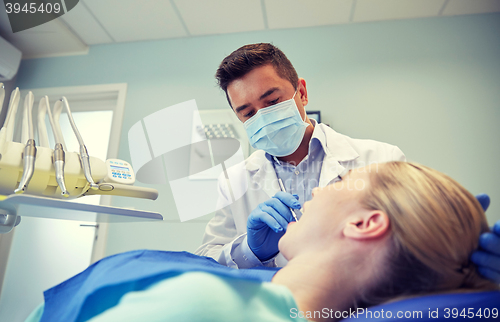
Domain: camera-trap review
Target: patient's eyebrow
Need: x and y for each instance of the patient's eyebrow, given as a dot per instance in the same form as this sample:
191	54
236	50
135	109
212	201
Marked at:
345	175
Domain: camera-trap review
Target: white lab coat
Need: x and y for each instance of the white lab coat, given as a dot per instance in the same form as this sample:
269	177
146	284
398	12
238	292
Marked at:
227	229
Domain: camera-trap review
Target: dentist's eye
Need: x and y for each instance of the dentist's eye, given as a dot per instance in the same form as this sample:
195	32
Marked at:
248	114
274	101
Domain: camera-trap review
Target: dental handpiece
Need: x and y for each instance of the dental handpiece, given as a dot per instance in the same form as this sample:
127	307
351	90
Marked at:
59	159
29	166
84	157
29	154
282	186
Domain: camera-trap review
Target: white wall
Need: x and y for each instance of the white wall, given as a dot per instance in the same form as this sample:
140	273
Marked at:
430	86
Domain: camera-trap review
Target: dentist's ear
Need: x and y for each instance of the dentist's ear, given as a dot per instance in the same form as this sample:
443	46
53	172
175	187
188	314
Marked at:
370	225
303	91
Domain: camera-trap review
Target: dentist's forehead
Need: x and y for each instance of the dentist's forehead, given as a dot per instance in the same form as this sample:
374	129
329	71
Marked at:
256	83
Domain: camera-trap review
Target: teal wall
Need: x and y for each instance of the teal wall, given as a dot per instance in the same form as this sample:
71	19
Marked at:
430	86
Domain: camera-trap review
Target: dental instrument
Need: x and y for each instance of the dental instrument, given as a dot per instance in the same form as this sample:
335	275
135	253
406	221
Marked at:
56	127
282	186
48	179
43	137
10	119
38	174
58	158
29	154
84	156
2	96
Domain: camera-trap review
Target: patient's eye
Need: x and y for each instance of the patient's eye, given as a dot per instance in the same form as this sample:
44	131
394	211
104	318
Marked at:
345	175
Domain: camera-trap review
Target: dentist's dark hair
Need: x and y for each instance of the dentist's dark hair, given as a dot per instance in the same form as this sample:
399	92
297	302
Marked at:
246	58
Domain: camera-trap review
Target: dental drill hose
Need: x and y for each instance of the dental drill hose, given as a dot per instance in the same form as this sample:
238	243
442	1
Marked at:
84	156
29	166
59	158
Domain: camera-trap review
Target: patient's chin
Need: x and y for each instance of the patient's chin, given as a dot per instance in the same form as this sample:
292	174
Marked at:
283	244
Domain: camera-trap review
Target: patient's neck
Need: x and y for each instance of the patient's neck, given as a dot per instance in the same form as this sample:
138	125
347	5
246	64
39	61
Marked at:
317	284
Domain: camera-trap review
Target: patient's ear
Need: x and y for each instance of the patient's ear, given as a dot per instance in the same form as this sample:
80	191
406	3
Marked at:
370	224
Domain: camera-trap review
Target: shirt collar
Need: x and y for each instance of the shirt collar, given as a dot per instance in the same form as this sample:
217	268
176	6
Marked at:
338	147
318	140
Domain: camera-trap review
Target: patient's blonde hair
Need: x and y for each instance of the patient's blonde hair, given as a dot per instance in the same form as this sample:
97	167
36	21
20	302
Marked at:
435	225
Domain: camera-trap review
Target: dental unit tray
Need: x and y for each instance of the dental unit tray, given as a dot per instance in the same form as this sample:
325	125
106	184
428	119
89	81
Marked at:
35	206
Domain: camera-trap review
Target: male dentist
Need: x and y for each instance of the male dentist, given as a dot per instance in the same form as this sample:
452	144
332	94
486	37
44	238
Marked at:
264	91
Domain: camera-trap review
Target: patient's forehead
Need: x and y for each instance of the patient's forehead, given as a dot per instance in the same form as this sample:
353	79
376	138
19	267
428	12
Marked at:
362	172
356	180
370	168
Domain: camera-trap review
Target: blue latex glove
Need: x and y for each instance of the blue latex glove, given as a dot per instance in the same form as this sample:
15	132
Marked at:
484	200
487	257
268	222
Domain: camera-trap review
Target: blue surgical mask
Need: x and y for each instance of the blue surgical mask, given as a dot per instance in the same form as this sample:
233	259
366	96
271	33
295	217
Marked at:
277	129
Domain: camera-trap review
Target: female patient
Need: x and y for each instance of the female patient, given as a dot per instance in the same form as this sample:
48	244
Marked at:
384	232
388	231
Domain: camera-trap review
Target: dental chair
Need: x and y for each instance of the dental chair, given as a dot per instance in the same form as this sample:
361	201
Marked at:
93	291
477	306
